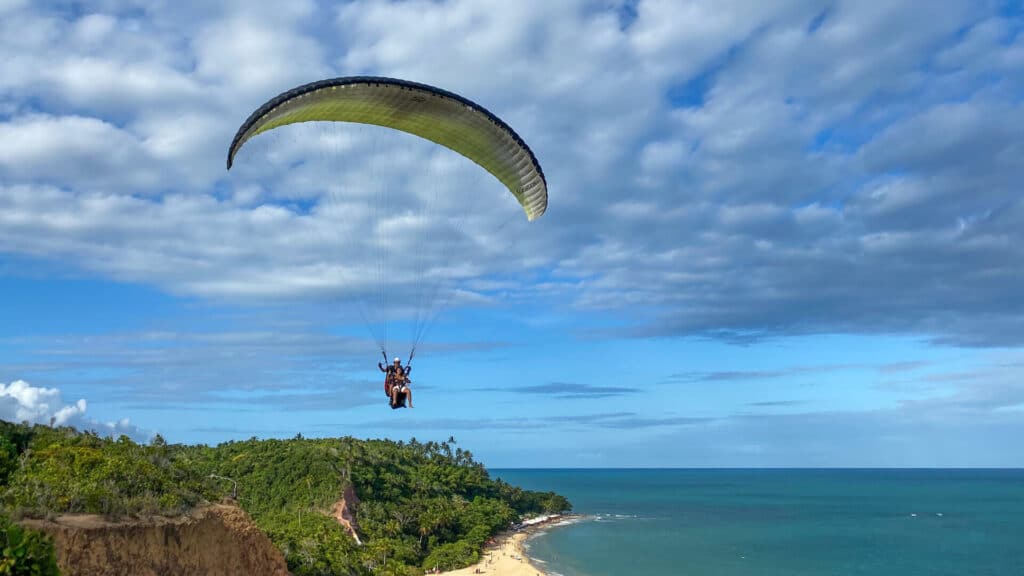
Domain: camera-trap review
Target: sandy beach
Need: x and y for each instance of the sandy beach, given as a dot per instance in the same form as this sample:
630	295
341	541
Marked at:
505	558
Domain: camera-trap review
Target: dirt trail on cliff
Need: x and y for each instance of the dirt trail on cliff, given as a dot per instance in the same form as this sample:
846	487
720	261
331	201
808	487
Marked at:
343	513
216	540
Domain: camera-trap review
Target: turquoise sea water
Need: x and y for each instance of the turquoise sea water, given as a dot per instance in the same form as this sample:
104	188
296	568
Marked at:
784	522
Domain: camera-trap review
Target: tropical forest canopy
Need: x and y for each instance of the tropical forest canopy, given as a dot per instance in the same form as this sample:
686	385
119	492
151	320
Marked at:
420	505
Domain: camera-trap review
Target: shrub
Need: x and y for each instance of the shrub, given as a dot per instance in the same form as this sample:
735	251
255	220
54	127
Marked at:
452	556
25	552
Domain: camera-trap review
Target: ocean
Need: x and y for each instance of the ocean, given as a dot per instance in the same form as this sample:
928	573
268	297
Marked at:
790	522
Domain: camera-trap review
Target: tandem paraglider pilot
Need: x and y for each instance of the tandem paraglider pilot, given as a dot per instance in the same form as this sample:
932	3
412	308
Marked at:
396	383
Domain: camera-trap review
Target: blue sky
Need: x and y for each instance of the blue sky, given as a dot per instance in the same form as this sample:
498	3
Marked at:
779	234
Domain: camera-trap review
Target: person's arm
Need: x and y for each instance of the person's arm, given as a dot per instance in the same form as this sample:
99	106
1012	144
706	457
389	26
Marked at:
408	369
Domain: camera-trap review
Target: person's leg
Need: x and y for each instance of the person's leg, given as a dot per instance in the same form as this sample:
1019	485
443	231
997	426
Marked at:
408	394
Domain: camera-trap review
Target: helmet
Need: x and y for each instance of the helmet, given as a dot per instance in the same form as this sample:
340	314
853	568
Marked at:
396	359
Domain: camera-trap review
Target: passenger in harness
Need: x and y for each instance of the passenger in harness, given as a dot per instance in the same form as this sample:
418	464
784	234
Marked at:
396	383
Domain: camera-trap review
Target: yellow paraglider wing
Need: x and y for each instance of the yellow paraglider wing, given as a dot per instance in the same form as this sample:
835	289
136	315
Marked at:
431	113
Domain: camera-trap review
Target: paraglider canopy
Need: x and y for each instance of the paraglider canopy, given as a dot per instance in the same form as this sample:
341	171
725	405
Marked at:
351	104
428	112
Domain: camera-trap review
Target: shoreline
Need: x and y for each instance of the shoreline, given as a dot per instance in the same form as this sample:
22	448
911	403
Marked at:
507	556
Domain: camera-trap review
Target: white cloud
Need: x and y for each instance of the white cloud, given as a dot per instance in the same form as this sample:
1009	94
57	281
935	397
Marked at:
823	148
93	29
245	54
74	151
22	402
11	5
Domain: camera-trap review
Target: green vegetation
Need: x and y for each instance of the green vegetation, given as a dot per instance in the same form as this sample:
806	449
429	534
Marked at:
60	470
25	552
420	504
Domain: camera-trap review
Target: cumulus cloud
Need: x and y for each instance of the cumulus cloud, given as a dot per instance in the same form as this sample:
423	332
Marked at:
25	402
22	402
737	170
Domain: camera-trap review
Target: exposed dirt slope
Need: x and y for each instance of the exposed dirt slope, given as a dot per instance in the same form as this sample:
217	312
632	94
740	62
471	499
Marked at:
214	540
342	512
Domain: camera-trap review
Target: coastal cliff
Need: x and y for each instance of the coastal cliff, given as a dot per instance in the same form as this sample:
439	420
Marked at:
215	540
326	505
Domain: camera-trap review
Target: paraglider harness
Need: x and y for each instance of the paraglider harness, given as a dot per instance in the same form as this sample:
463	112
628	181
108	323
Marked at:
394	378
